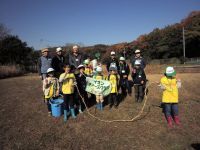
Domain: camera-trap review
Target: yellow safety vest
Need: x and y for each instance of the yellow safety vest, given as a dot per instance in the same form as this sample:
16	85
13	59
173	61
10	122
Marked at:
67	83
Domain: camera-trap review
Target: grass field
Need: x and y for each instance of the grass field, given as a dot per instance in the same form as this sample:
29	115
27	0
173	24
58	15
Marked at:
24	122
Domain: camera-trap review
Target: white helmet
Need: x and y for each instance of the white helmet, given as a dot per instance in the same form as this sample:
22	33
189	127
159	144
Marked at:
112	53
86	61
58	49
81	66
137	51
99	69
50	70
122	58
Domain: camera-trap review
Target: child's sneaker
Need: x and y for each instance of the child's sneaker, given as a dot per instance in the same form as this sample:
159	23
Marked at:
49	114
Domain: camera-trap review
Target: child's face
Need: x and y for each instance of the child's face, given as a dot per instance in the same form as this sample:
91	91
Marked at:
51	74
82	70
113	72
67	69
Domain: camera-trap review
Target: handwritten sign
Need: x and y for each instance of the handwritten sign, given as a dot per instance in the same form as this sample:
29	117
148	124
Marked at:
98	87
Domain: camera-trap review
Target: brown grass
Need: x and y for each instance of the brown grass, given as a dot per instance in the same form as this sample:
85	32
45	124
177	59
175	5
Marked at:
10	71
24	123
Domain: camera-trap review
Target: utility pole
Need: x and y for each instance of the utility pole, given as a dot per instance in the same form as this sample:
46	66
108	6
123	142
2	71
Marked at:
183	45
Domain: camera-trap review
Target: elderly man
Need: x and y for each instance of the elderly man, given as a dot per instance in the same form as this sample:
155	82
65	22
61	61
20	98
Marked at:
44	63
139	58
75	58
58	62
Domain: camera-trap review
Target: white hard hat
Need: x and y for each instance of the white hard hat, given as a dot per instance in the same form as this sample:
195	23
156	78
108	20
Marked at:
75	46
81	66
122	58
50	70
113	68
58	49
99	69
137	51
137	62
112	53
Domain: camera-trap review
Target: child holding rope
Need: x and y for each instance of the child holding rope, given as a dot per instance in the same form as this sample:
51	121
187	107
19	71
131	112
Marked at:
67	79
113	78
169	84
50	88
99	97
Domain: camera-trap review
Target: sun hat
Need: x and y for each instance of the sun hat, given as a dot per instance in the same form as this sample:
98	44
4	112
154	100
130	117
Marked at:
99	69
170	71
75	47
81	66
44	50
50	70
58	49
112	53
122	58
137	51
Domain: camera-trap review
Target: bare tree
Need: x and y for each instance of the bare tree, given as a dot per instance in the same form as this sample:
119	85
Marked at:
4	31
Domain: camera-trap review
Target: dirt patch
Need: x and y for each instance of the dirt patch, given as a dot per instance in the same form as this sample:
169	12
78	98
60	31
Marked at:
24	123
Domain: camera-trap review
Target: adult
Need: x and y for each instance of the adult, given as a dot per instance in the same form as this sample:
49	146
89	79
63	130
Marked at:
139	58
44	63
75	58
58	62
113	62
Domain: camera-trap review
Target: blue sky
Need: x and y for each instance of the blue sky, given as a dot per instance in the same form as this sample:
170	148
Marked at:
43	23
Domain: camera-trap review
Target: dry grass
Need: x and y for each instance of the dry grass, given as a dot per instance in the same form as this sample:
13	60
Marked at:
10	71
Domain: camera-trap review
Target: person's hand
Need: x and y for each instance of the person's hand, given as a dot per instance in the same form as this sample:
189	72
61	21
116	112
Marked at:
46	81
57	93
40	76
124	76
142	82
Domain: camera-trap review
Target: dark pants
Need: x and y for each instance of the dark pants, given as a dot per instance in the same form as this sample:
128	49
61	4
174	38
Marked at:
171	109
139	92
48	105
112	99
68	101
78	100
124	84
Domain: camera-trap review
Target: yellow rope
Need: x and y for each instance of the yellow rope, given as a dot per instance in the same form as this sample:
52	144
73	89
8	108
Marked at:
110	121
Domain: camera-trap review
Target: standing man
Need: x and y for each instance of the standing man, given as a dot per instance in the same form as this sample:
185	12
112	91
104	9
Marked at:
75	58
139	58
58	62
113	62
44	63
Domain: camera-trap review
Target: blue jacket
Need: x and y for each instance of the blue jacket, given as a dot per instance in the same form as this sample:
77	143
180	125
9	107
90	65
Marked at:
44	63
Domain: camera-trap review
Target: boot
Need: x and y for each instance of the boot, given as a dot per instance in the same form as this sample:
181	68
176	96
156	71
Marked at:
65	115
169	121
176	120
101	106
80	111
73	113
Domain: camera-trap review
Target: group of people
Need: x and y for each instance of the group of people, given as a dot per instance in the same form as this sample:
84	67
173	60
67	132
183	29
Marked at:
68	77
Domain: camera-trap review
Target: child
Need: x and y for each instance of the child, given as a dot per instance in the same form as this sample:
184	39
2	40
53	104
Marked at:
124	71
88	68
99	97
139	81
113	78
50	88
81	83
67	79
170	86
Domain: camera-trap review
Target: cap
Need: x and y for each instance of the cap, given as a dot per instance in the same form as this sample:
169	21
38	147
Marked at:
44	50
137	51
122	58
58	49
50	70
112	53
99	69
75	47
81	66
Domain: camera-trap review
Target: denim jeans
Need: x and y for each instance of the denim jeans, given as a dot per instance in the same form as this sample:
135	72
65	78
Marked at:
171	109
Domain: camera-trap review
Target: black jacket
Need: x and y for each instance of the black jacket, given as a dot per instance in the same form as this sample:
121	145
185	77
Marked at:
112	61
81	81
57	63
75	61
123	69
139	76
141	59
